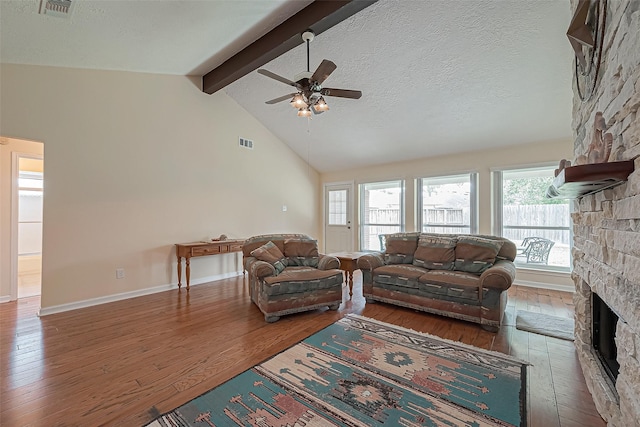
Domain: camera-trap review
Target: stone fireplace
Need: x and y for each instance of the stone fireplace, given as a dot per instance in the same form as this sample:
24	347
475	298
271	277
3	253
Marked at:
607	224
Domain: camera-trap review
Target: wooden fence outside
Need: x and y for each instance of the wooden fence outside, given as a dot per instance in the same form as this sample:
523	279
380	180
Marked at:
556	217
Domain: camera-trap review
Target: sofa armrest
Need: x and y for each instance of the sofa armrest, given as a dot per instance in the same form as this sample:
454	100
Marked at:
328	262
499	276
371	261
259	269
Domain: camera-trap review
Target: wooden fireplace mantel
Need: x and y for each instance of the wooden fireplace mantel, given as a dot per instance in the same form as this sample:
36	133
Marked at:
577	181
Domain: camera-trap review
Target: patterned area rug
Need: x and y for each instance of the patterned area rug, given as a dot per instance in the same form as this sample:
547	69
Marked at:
362	372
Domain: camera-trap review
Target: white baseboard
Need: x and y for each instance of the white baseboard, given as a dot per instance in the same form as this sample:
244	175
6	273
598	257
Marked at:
542	285
126	295
5	298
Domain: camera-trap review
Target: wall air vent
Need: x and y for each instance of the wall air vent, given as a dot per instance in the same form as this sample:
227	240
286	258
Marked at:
57	8
246	143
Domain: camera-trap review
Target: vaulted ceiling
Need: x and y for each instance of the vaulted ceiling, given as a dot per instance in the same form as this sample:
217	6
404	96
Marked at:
438	77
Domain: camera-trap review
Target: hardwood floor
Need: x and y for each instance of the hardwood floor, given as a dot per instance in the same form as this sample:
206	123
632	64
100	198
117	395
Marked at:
125	362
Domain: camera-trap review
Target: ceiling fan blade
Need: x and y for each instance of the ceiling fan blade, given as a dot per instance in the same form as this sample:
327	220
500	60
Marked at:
277	77
280	99
342	93
323	71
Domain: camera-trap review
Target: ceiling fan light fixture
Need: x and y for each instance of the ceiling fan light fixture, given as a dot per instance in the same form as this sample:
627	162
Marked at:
298	101
304	112
309	96
320	105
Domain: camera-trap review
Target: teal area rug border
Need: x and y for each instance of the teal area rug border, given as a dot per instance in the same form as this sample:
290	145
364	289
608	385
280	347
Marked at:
435	337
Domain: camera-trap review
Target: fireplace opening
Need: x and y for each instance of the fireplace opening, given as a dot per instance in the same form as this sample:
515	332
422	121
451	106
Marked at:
603	333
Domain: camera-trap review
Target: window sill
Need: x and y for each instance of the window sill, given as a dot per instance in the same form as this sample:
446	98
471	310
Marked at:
564	271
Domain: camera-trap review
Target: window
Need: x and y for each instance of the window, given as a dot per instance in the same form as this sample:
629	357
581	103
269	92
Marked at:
30	187
447	204
381	212
337	207
540	227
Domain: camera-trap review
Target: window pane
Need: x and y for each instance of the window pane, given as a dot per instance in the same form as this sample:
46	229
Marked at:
540	227
337	207
30	179
381	212
446	204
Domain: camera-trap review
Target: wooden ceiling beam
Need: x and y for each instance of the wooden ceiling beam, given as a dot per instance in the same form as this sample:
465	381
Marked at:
319	16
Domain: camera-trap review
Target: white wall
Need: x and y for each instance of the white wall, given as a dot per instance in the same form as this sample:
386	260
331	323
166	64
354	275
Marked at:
474	161
137	162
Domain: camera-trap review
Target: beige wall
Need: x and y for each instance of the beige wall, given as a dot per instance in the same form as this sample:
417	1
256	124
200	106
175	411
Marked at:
137	162
479	161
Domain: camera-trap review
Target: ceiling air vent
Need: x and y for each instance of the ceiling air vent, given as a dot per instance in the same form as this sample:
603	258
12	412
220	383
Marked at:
246	143
58	8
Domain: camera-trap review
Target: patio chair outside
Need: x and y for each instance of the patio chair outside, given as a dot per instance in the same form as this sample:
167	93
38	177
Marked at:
536	250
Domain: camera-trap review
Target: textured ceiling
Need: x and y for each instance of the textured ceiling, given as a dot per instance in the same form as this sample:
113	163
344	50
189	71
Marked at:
154	36
437	76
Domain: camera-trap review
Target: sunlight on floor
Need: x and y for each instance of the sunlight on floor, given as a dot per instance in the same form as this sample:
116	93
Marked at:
29	275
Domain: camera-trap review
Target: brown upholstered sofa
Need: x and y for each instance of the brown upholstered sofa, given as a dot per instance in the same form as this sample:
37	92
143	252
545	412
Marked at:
288	275
461	276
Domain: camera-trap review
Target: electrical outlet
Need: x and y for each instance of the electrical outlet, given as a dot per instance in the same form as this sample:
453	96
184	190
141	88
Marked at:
284	208
119	273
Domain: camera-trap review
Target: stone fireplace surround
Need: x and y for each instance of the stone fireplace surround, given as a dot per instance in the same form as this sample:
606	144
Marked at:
607	224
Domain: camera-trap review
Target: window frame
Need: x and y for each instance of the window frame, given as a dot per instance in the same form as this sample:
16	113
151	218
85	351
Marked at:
497	184
473	199
362	224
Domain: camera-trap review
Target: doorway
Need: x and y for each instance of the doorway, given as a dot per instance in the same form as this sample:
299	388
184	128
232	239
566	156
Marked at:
30	192
338	217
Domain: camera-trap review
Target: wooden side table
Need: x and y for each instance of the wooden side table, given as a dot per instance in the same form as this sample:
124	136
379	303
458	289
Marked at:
196	249
348	264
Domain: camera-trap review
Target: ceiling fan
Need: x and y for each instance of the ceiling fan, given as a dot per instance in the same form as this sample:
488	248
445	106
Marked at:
310	95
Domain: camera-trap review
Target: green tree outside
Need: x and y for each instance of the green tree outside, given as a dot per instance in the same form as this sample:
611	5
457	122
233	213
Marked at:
528	191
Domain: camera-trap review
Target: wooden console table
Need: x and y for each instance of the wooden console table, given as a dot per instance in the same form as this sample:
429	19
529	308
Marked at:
348	264
196	249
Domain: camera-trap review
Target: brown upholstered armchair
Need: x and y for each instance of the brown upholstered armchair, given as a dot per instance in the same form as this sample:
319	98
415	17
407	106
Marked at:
288	275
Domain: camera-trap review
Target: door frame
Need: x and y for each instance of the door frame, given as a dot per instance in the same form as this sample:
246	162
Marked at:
15	175
350	205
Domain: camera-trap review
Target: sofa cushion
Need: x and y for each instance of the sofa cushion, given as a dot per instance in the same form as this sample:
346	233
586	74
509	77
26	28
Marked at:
404	275
435	252
270	253
476	254
302	280
400	248
451	284
301	252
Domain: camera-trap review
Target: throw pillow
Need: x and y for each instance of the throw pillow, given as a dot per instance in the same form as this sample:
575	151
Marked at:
270	253
301	252
435	252
476	254
400	248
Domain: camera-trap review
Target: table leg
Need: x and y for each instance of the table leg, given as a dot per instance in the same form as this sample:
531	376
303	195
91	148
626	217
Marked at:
179	272
188	262
350	283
